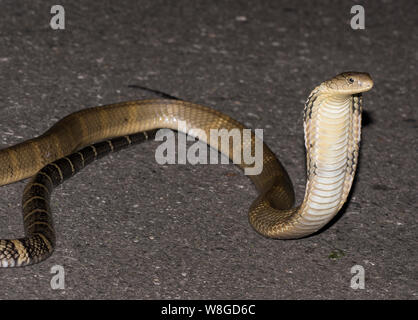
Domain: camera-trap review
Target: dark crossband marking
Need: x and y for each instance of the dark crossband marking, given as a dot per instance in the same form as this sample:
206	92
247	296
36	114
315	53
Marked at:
35	184
21	249
82	158
40	223
110	145
66	166
40	235
29	214
33	198
59	171
71	164
47	243
94	150
307	114
45	175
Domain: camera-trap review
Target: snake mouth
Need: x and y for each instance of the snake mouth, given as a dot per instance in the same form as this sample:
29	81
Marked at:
366	84
358	81
365	87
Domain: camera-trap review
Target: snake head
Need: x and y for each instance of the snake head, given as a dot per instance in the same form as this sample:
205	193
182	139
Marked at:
348	83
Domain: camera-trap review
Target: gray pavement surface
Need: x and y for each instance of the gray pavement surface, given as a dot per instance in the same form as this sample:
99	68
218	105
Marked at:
129	228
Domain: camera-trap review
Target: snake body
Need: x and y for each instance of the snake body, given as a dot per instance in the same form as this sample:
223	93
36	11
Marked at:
332	124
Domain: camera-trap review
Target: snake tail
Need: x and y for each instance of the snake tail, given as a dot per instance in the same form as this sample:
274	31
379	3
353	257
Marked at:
39	241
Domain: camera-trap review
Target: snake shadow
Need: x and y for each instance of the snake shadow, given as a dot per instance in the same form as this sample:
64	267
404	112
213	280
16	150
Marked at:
156	92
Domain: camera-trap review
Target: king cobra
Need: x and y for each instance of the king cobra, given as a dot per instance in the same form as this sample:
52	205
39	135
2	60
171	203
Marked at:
332	124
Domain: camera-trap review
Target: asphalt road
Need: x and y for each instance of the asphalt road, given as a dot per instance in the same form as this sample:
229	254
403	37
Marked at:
129	228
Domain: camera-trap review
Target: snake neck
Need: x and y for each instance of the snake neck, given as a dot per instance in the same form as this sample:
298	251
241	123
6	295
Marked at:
332	136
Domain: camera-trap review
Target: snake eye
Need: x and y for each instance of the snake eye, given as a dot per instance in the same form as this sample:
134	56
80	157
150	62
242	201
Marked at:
351	80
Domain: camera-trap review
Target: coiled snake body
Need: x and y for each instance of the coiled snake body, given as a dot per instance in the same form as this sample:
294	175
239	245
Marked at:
332	120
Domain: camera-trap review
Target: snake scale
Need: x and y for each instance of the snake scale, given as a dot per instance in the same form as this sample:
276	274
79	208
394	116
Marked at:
332	125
